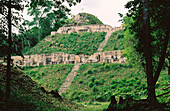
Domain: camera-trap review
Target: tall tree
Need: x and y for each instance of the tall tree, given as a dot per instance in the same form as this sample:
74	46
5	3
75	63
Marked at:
52	10
10	17
150	29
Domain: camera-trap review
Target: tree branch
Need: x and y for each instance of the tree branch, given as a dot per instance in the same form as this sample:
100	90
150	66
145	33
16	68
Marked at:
162	57
163	94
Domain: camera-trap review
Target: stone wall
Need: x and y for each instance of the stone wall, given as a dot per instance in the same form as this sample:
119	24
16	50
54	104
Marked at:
44	59
85	28
64	58
107	56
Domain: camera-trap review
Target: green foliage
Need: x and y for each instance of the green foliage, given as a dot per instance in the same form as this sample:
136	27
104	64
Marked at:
50	76
146	23
90	84
86	19
115	42
113	79
26	94
91	19
70	43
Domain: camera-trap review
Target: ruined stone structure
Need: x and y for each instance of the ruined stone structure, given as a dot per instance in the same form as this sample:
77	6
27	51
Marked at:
64	58
85	28
107	56
44	59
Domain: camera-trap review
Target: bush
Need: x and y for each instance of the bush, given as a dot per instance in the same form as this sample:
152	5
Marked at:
94	70
94	89
106	66
113	86
113	82
100	98
101	68
89	72
96	82
90	84
80	81
90	102
84	73
92	79
131	83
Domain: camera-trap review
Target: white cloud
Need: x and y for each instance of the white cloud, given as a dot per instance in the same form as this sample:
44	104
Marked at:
106	10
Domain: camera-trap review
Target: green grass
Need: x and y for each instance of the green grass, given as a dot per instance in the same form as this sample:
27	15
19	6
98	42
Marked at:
26	94
90	19
86	19
115	41
97	82
49	76
85	43
94	106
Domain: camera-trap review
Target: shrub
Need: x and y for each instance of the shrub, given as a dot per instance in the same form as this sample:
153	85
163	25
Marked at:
90	84
106	66
113	86
96	82
94	89
100	98
80	81
89	71
94	70
101	68
84	73
43	74
90	102
101	81
131	83
92	79
113	82
88	76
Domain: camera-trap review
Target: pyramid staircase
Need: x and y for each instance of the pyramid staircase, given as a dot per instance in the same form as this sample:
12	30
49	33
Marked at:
76	66
69	78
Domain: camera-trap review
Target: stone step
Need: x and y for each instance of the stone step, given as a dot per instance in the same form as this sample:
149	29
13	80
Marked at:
69	78
103	43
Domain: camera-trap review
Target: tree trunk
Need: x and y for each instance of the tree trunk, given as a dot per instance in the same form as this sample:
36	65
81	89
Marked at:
8	71
148	51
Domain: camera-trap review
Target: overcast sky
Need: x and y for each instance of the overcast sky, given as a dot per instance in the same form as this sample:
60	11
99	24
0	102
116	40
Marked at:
106	10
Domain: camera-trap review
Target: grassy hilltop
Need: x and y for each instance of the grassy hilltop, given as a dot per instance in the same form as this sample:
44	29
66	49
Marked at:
84	19
85	43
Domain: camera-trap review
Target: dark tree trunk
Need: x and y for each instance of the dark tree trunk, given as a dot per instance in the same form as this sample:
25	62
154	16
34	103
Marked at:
148	51
8	71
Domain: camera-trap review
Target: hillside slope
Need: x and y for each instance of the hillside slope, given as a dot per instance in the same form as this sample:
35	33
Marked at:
26	94
99	81
115	41
84	43
49	76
